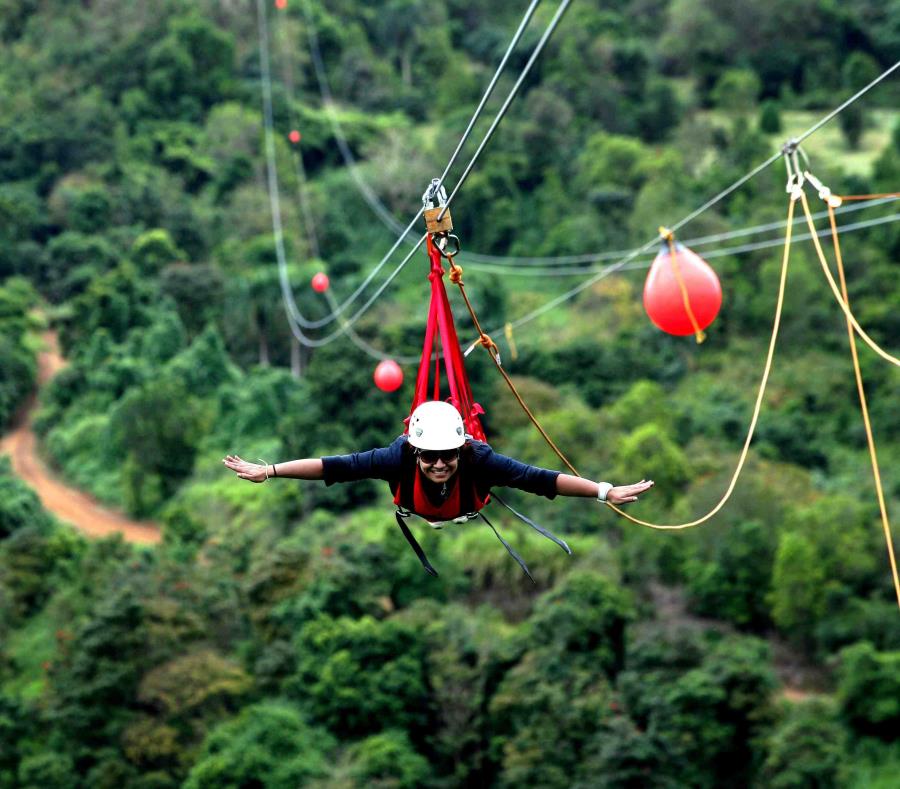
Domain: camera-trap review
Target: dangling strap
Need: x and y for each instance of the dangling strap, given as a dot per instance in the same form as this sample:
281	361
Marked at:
536	526
413	543
508	547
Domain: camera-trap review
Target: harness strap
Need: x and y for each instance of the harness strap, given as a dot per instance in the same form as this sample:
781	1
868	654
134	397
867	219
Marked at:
413	543
508	547
536	526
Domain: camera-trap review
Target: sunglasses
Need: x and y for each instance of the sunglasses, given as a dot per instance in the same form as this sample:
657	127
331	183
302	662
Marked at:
432	456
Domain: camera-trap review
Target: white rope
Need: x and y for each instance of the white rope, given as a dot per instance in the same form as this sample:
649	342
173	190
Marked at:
603	273
713	253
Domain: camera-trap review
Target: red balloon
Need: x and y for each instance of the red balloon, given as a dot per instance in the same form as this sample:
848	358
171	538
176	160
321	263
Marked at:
663	297
281	4
388	376
294	136
320	282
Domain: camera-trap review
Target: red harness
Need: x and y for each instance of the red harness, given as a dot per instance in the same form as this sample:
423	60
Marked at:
448	509
463	497
440	327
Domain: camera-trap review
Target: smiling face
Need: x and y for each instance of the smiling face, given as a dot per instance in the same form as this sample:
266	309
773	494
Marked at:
438	466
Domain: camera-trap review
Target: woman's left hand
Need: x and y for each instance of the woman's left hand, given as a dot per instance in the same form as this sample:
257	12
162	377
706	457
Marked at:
625	494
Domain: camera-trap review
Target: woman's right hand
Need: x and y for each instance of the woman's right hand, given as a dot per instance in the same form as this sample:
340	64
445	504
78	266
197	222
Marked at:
254	472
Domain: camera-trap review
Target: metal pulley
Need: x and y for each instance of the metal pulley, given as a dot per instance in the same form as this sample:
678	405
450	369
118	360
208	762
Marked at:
434	202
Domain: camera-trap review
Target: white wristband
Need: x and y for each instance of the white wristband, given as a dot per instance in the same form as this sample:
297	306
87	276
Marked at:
602	489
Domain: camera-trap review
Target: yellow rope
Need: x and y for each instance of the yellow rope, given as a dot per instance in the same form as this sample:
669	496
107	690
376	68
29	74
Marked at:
837	294
870	439
456	277
669	236
756	408
843	300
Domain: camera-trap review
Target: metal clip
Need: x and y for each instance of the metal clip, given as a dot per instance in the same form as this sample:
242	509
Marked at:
448	244
434	202
435	195
795	178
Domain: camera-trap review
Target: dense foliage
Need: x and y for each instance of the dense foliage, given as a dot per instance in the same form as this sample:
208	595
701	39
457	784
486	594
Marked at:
284	635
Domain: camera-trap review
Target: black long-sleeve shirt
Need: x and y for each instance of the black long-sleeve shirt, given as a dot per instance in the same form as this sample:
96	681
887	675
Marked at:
491	469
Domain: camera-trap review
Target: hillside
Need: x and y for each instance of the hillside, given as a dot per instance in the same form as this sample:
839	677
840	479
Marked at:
283	634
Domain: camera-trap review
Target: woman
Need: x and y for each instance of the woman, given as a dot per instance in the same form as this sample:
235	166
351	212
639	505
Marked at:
438	473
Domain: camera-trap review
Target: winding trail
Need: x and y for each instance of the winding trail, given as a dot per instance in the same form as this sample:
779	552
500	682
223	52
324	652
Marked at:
66	503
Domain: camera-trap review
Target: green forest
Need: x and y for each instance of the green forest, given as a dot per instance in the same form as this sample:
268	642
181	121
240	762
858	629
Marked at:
283	634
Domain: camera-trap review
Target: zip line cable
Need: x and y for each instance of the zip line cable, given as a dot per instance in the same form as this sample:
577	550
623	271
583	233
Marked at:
539	47
631	256
484	260
273	184
574	291
375	203
838	110
368	194
715	253
313	240
287	295
274	199
562	262
337	130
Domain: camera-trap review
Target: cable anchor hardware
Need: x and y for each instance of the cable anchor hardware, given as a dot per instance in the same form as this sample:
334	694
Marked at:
434	201
795	177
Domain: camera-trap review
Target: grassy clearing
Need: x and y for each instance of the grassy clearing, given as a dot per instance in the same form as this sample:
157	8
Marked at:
828	143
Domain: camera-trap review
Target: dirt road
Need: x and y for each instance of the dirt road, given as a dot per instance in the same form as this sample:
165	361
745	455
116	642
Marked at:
67	504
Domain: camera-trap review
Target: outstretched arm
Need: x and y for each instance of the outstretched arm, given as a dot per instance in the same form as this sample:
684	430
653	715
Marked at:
503	470
380	463
567	485
307	468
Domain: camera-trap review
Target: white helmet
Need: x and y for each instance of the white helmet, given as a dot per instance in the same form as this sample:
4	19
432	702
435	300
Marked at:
436	425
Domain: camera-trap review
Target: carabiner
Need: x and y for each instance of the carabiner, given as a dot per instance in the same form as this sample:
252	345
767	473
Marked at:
443	241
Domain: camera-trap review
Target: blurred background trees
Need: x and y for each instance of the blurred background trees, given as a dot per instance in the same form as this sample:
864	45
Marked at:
284	635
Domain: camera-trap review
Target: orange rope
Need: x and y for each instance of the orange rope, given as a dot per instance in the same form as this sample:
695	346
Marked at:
669	236
870	439
868	197
456	277
490	346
